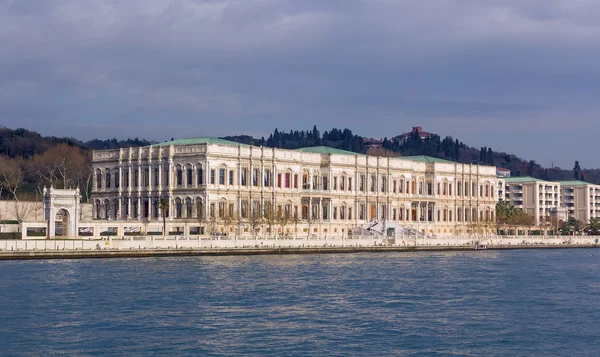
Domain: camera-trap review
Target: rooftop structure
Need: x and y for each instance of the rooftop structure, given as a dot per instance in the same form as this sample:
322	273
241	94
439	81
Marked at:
415	130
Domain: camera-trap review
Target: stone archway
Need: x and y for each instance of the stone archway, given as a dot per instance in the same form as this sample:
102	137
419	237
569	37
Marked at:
61	223
61	210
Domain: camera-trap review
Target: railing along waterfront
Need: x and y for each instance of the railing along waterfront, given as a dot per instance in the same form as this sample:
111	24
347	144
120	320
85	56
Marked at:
233	242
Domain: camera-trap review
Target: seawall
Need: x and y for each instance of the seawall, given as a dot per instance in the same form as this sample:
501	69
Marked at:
131	248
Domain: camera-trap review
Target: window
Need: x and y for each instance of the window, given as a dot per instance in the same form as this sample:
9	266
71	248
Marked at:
231	177
349	183
200	175
117	179
288	178
373	182
343	183
279	180
296	181
324	182
244	177
305	182
221	176
99	179
343	213
136	177
212	177
335	179
126	178
361	186
349	213
383	184
267	178
334	212
107	179
255	177
189	175
179	176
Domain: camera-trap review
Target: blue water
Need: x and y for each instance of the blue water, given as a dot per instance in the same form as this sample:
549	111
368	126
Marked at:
484	303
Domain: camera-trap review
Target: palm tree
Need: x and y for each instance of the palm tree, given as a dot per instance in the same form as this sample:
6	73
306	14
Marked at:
593	227
163	204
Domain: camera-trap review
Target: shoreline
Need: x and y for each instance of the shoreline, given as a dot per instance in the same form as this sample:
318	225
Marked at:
161	252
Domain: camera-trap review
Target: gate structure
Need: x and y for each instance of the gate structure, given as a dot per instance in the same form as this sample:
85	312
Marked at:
63	204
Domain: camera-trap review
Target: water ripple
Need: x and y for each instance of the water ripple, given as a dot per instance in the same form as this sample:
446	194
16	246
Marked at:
518	303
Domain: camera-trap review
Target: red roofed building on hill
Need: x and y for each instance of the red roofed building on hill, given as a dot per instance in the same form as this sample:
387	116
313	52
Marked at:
416	129
372	143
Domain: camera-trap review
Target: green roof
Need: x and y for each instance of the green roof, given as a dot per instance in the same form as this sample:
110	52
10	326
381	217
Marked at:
328	150
196	141
574	183
522	179
423	158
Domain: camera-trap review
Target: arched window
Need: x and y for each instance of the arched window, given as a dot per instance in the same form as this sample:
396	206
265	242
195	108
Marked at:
179	175
98	179
107	178
115	208
200	178
188	207
97	209
189	175
199	208
106	209
178	207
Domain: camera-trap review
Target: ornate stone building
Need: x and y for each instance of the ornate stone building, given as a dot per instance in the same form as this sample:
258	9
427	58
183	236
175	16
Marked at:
216	185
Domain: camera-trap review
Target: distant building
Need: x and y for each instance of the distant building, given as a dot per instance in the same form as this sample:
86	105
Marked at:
537	197
416	129
581	199
502	172
372	143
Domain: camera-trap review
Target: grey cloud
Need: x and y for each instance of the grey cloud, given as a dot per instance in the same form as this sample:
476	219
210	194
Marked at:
163	68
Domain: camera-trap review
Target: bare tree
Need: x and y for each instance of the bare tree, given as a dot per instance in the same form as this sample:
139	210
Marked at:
25	209
64	166
12	175
282	218
269	216
255	219
228	219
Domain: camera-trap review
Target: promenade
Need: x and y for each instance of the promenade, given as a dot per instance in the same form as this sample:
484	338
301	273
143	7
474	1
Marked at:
185	246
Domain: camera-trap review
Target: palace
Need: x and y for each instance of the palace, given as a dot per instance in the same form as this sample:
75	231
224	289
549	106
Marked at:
210	185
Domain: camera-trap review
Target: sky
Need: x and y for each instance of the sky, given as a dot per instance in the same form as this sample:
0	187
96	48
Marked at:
520	76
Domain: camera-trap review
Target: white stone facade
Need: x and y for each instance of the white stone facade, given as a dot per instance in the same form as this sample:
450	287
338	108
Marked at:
329	190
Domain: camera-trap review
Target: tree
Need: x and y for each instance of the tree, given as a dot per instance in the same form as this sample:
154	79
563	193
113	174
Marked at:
269	216
228	219
255	219
593	227
571	226
11	175
577	171
163	204
26	209
283	218
63	167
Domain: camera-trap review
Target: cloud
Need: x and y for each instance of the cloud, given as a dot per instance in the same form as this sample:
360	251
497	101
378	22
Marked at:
217	67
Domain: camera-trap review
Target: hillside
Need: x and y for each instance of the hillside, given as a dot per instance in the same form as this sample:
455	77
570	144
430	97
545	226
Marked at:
28	161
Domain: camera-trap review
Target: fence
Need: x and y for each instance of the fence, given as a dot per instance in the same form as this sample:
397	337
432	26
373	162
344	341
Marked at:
207	242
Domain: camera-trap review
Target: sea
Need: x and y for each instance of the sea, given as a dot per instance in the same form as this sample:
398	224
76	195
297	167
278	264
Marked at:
473	303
